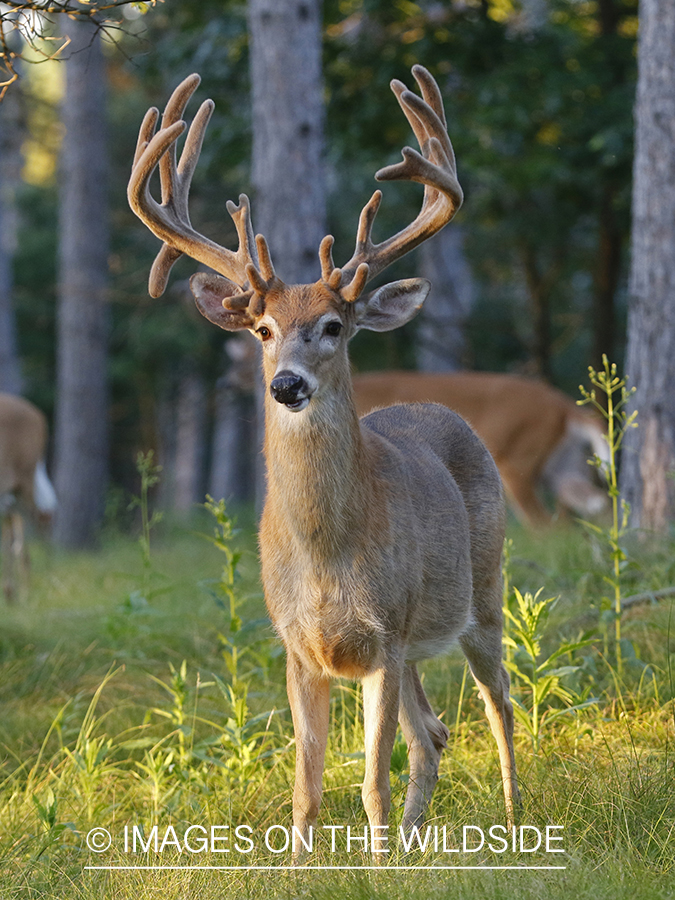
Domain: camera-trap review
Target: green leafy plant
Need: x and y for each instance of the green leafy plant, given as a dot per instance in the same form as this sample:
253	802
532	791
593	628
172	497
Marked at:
539	681
135	607
243	743
238	641
149	471
618	421
176	712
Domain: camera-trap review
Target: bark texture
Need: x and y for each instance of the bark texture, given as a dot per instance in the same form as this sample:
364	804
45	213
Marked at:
649	451
190	443
233	461
289	202
440	332
11	136
287	168
81	410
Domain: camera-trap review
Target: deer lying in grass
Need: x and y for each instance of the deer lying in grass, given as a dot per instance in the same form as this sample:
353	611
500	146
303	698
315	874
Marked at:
380	540
536	435
23	485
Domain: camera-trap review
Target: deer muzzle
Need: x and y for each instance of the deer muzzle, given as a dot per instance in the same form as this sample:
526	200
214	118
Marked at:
291	390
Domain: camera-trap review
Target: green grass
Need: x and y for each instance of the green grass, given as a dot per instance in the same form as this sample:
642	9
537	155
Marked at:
125	704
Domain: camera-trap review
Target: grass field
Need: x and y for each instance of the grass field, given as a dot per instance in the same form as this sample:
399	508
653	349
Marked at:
143	694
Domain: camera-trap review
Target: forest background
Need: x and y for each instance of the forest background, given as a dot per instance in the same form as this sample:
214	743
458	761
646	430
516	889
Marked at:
539	101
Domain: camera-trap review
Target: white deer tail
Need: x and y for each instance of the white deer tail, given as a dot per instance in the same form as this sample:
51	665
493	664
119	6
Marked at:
44	494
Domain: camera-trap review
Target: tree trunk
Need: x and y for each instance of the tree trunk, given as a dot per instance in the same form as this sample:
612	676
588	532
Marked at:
190	443
81	438
11	135
539	289
234	439
649	450
289	203
440	332
606	277
608	267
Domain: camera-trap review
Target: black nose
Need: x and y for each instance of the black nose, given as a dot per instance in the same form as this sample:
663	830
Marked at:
286	386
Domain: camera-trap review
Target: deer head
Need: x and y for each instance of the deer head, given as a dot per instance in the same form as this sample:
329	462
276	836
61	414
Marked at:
304	329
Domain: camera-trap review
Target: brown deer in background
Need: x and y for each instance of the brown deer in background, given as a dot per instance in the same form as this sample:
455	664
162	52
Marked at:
380	540
24	484
535	433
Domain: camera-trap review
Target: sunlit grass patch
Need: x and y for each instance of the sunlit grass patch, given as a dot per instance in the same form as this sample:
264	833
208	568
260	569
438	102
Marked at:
126	714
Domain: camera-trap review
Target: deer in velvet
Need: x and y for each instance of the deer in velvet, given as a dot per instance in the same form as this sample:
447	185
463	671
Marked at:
380	539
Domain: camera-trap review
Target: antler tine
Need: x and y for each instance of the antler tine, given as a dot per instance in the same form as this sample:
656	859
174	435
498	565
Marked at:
172	184
329	274
170	220
261	280
266	267
326	257
146	132
173	112
434	167
430	92
241	216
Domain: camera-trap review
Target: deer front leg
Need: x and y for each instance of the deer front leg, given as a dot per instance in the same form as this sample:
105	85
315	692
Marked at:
308	695
381	691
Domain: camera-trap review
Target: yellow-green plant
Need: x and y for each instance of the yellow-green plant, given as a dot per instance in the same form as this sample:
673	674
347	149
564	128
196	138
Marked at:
538	681
177	713
618	421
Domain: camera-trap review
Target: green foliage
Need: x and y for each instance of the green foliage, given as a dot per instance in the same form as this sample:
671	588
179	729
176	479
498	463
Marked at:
239	642
539	681
541	121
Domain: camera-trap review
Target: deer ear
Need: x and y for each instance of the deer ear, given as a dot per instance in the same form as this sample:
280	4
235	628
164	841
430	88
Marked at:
392	305
210	290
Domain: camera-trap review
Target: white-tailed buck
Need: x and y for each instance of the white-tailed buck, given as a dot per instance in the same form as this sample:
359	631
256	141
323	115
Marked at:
535	433
23	485
380	540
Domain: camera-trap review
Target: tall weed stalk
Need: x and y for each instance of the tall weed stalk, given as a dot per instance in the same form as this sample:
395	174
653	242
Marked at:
618	421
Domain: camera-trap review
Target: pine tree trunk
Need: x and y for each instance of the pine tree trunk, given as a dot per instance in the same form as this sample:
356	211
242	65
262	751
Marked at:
649	450
606	278
440	332
190	443
11	135
233	459
289	205
289	202
81	410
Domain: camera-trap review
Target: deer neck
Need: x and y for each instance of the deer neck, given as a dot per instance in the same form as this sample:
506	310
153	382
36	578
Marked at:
318	469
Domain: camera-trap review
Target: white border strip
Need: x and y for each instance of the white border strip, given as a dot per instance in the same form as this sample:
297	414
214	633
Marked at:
306	868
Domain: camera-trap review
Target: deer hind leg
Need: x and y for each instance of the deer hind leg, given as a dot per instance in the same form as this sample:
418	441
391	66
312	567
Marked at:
308	695
482	646
8	584
426	737
20	552
15	562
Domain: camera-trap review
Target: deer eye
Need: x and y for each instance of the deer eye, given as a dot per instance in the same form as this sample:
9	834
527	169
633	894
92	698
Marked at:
264	333
333	329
